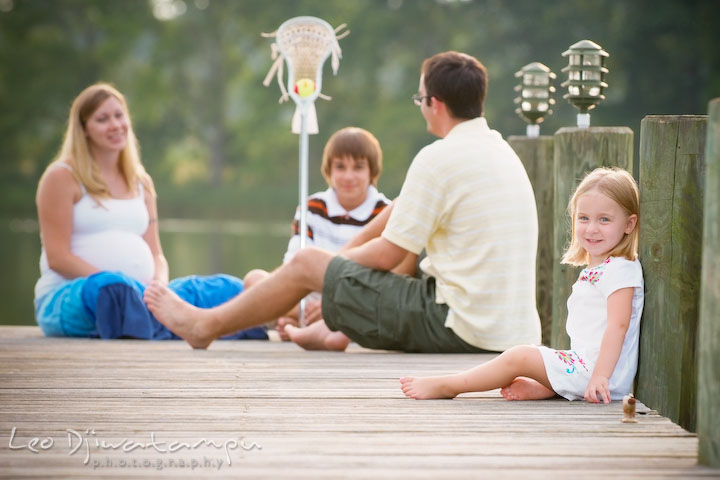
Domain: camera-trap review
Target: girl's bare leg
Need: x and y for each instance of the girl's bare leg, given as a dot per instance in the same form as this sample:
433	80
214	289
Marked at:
501	371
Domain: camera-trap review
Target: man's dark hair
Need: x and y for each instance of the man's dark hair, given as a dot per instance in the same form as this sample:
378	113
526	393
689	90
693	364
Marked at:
457	79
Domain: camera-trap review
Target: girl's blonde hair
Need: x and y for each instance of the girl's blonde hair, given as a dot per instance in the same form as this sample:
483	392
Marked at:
76	152
618	185
356	143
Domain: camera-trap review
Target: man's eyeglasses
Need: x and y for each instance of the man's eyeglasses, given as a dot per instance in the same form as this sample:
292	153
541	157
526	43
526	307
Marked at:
417	98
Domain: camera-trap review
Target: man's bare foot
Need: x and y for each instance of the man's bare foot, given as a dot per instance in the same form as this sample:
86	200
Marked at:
317	336
183	319
523	388
425	388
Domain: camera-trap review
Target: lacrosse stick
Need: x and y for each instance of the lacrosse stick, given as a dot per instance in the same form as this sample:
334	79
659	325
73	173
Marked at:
304	43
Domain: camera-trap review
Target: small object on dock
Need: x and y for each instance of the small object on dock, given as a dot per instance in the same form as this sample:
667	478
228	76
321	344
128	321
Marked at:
629	409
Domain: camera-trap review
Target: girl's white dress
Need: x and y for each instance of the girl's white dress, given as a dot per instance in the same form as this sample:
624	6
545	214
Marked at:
569	371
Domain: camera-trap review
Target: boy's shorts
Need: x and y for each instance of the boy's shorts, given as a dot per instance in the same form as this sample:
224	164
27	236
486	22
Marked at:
382	310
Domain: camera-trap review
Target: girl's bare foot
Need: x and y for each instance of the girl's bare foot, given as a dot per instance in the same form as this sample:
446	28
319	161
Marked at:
424	388
317	336
184	320
523	388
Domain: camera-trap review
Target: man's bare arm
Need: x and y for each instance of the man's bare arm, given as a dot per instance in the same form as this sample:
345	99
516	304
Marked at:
378	253
371	230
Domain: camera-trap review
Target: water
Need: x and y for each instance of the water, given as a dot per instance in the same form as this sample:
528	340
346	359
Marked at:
190	246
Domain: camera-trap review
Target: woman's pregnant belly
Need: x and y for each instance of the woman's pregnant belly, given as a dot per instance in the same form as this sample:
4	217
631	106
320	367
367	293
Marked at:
117	250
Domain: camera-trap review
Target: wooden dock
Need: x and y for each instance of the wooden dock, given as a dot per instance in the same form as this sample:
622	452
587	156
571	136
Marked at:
254	409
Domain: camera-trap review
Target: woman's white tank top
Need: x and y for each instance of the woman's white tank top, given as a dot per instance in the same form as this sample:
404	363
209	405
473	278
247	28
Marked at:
107	235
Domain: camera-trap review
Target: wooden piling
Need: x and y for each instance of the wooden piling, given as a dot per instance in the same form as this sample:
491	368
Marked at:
536	154
672	182
577	152
708	403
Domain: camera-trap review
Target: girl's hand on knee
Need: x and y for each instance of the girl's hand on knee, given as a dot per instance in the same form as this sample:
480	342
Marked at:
598	390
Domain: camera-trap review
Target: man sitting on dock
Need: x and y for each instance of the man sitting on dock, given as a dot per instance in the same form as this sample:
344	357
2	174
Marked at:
466	200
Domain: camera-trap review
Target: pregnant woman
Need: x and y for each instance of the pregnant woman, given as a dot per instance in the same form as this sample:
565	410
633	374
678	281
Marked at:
98	224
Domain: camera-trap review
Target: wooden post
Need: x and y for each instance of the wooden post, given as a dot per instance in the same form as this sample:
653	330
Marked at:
577	152
708	401
672	182
536	154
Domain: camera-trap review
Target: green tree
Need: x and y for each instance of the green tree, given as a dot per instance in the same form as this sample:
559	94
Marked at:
215	139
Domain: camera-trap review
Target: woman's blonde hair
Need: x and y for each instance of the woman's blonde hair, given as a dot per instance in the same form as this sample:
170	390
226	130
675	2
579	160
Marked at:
618	185
76	152
356	143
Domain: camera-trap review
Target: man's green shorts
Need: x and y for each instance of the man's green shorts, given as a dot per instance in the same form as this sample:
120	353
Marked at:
385	311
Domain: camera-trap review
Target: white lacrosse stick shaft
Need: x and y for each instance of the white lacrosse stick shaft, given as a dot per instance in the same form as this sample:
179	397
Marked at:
303	105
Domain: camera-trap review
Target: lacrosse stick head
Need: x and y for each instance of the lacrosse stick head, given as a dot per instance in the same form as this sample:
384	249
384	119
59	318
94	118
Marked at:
305	43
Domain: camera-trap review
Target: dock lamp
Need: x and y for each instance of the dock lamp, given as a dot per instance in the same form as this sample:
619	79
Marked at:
586	74
534	99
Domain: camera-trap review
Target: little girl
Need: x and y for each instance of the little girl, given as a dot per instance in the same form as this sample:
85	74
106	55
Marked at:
604	311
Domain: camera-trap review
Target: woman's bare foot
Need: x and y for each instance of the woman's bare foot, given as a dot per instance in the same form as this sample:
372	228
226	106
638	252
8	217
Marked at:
183	319
424	388
317	336
523	388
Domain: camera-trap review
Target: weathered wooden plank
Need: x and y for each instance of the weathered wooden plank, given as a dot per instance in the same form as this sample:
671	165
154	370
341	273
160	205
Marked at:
398	444
536	154
672	185
380	466
30	400
709	328
577	152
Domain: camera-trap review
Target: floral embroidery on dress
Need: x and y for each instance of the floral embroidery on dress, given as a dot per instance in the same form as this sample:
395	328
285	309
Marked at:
592	275
571	358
